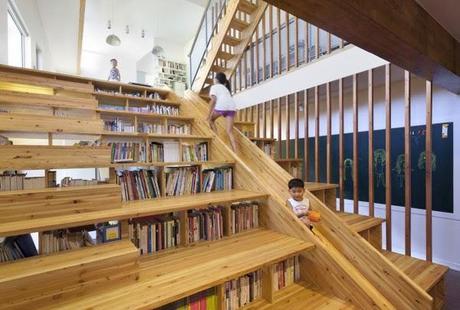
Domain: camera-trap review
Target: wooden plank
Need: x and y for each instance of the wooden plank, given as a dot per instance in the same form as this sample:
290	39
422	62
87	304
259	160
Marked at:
288	128
407	162
329	132
296	124
316	134
278	20
272	119
355	146
370	92
280	153
23	157
388	156
341	147
288	64
306	136
429	171
369	25
270	25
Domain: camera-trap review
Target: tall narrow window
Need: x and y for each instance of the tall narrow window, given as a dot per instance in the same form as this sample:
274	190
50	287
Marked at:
16	38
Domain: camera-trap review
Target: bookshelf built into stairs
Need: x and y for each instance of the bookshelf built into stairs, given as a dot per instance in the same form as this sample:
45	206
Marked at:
234	246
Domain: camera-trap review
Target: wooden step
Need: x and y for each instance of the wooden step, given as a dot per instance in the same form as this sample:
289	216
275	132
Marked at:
230	40
209	81
169	277
266	140
49	101
216	68
238	24
224	55
128	210
22	205
244	123
38	281
281	161
429	276
38	123
300	296
246	6
23	157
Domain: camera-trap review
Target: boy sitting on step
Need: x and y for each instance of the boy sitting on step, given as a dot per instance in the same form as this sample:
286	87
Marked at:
297	202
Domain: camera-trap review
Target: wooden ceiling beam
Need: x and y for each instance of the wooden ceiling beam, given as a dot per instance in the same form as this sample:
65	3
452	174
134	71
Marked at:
401	32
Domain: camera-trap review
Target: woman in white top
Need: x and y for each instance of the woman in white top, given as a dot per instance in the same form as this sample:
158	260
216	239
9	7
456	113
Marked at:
222	104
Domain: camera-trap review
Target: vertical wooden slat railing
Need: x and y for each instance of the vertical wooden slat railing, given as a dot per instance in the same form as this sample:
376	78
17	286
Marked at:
296	125
429	170
407	162
306	159
355	146
316	134
329	132
341	146
287	127
388	215
370	90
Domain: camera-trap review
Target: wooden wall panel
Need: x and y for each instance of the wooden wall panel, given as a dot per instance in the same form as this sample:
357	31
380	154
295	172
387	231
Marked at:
316	134
388	156
355	146
341	155
370	91
407	162
428	171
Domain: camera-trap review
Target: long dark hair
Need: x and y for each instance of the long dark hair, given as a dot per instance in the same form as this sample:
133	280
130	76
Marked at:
222	78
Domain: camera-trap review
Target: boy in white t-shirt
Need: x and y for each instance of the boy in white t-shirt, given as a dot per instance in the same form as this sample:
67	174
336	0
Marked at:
299	205
222	104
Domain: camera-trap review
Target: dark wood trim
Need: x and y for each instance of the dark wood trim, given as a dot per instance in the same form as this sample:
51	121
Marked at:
317	134
306	158
388	217
401	32
341	147
355	146
407	161
329	133
280	153
288	127
370	92
428	171
296	123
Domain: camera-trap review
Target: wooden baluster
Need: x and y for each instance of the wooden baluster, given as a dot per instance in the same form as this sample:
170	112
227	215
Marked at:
264	121
296	122
280	153
407	161
341	157
428	171
329	132
306	136
307	42
355	146
316	134
272	119
279	40
388	157
257	54
317	43
288	128
257	107
370	164
264	56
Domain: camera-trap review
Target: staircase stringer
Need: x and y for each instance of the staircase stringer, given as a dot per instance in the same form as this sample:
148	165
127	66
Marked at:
334	273
217	41
384	277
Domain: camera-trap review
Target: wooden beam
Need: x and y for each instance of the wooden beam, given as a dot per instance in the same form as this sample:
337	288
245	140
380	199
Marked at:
278	20
287	42
401	32
370	92
355	146
428	171
280	153
306	136
388	156
341	158
270	25
81	27
296	122
329	132
288	128
316	134
272	119
407	162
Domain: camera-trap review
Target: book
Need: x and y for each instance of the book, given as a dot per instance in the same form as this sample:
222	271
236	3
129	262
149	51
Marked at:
68	181
286	273
145	127
139	184
180	129
108	232
156	152
206	224
17	247
128	152
65	239
182	180
243	290
244	216
217	179
205	300
195	152
119	125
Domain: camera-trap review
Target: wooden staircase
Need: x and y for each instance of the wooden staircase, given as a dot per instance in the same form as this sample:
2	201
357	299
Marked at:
233	33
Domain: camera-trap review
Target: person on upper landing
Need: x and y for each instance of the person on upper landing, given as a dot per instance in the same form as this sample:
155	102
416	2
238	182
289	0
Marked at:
114	74
222	104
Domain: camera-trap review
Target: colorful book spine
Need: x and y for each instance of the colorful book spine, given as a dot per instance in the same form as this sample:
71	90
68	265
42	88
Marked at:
206	300
218	179
118	125
182	180
206	224
240	292
195	152
157	153
286	273
151	128
139	184
180	129
244	216
128	152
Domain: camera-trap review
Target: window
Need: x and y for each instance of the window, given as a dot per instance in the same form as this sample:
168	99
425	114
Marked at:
16	38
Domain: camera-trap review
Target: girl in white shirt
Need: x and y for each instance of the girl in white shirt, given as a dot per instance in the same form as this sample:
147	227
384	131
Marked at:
222	104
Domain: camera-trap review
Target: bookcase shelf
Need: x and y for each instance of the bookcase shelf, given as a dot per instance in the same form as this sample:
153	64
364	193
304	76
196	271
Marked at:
134	98
145	115
155	136
173	164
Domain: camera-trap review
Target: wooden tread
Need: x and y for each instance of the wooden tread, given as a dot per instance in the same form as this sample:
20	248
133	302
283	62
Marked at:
301	296
360	222
424	273
246	6
128	210
238	24
224	55
232	41
167	278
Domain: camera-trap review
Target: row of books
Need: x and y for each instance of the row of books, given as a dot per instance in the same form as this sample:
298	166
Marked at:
182	180
180	129
157	153
206	300
217	179
128	152
195	152
68	181
18	181
240	292
156	109
286	272
151	128
17	247
138	184
12	182
207	224
244	216
119	125
152	234
61	240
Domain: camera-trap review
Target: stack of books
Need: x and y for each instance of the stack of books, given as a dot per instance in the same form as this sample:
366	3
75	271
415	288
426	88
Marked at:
61	240
17	247
12	181
152	234
206	224
128	152
242	291
195	152
180	129
68	181
206	300
286	272
182	180
217	179
118	125
157	153
138	184
151	128
244	216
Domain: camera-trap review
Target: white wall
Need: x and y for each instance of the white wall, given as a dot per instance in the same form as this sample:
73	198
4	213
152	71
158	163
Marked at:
446	108
97	65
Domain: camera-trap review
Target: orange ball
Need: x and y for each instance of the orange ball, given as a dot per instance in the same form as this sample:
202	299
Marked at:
314	216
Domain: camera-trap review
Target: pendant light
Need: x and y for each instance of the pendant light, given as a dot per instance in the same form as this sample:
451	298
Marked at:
112	39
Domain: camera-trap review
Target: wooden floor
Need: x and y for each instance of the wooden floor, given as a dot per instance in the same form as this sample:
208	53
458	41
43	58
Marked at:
167	277
301	296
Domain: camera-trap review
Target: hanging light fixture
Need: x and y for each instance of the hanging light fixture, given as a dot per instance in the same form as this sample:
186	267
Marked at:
112	39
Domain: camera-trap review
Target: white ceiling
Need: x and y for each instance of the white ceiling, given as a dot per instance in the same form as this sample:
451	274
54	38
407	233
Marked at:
446	13
172	20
